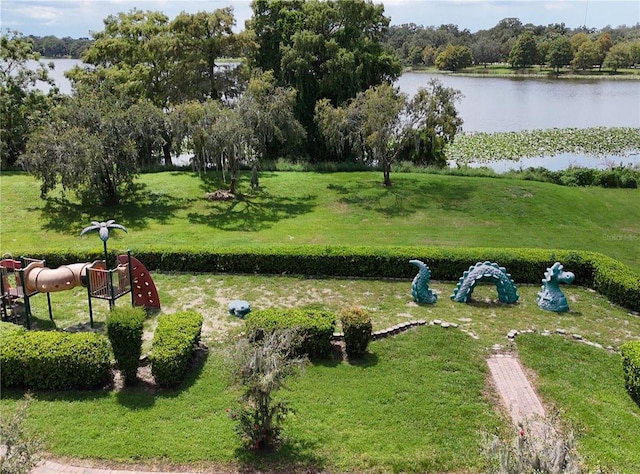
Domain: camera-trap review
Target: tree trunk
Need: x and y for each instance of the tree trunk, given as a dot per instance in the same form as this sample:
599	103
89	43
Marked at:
386	172
166	150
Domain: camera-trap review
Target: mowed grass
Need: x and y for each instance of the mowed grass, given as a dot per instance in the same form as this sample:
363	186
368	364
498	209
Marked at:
420	400
333	209
415	403
585	385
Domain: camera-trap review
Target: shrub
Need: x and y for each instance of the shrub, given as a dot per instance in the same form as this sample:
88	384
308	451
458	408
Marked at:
173	346
608	179
124	329
50	360
631	366
262	368
538	447
315	327
357	328
21	449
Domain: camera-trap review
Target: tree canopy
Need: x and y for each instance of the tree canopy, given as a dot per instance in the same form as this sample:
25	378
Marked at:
380	124
22	106
324	49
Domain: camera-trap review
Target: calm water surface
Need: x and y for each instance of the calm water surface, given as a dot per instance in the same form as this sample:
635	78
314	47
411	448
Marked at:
506	104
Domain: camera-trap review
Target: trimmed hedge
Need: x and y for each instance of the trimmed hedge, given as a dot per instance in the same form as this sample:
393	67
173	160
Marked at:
52	360
10	329
631	365
316	327
173	346
357	328
609	277
124	329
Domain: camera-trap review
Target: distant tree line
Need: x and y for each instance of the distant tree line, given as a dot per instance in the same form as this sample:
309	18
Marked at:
53	47
520	45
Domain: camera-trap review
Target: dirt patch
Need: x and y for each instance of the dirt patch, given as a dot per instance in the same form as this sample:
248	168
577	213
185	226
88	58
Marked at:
220	195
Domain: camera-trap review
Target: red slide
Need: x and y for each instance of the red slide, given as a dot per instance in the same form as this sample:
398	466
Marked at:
143	288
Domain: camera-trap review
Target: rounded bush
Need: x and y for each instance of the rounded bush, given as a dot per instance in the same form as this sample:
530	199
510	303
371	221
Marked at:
631	366
173	346
357	329
316	327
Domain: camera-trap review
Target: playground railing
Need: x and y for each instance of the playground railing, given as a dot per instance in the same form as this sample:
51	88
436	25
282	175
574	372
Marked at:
108	284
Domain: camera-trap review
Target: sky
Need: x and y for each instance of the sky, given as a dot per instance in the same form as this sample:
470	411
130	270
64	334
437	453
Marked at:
78	18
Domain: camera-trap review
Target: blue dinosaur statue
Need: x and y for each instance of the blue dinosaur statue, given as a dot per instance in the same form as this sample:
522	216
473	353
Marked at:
507	291
551	297
420	285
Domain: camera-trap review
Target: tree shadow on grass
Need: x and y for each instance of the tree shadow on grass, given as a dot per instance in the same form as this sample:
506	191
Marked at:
253	213
406	196
294	456
135	211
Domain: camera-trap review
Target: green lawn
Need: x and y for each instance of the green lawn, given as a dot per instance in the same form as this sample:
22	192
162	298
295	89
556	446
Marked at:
415	404
335	209
585	384
420	401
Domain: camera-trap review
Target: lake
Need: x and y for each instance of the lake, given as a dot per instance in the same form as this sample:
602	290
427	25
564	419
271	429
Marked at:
512	104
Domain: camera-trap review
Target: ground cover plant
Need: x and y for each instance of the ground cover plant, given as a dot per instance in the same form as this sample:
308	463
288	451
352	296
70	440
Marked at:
332	209
514	146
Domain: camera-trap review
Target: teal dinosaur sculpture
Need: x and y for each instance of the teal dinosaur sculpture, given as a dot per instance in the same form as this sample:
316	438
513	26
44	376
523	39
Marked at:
420	285
507	291
551	297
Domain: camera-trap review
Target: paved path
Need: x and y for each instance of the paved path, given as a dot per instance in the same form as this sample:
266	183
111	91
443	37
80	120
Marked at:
514	389
511	383
50	467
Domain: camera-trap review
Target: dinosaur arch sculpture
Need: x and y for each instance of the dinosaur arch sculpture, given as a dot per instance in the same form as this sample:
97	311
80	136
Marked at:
483	271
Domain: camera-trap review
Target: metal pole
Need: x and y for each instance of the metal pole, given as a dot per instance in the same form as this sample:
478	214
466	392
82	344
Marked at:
133	303
89	296
49	303
112	296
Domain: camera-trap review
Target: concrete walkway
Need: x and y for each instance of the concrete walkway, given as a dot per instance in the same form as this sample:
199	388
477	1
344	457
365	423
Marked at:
510	380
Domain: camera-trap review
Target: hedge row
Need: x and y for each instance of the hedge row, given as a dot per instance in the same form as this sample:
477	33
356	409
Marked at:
609	277
173	346
316	327
51	360
631	365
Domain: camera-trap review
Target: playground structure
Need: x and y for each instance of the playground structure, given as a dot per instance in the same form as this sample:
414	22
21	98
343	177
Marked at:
25	278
